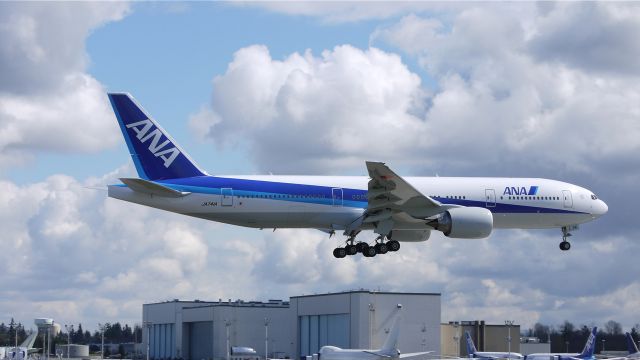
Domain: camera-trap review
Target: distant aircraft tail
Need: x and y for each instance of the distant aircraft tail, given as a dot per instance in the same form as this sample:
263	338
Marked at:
471	347
391	343
155	154
590	346
631	345
30	340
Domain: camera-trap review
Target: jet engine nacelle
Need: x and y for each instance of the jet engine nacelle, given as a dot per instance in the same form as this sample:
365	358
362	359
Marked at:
410	235
465	223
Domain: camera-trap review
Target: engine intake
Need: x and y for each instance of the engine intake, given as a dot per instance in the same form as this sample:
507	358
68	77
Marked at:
464	223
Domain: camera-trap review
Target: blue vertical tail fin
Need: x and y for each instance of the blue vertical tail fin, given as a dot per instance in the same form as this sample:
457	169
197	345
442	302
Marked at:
631	345
590	346
471	347
155	154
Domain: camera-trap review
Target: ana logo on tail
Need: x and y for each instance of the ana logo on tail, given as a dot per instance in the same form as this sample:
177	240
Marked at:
589	347
143	133
471	347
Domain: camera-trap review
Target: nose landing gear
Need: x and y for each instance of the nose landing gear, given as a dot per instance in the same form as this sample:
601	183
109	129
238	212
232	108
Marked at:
565	245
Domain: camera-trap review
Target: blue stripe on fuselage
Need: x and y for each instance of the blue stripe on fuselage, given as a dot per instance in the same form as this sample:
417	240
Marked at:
323	195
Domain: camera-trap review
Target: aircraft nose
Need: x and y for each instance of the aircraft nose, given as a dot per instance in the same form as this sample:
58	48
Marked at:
601	208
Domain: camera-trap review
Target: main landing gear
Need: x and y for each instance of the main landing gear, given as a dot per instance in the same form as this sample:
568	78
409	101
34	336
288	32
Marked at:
565	245
365	249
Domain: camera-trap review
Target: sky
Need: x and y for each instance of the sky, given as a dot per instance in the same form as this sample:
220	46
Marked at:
513	89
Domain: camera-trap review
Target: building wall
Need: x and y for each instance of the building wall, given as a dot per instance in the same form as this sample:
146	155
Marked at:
370	315
452	339
486	337
358	319
496	338
198	330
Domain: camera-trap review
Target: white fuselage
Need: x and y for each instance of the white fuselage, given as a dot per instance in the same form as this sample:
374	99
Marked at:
497	355
334	202
336	353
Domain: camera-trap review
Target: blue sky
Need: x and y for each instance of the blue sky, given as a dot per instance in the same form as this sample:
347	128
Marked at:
166	54
462	89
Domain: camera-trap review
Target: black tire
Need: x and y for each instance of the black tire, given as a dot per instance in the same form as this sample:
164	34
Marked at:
351	249
393	245
370	251
565	245
381	248
339	253
360	247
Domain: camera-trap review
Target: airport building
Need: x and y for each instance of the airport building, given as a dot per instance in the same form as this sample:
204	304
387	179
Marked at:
486	337
290	329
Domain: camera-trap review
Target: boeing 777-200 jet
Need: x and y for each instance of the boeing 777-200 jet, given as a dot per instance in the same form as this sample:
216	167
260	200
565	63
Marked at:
397	209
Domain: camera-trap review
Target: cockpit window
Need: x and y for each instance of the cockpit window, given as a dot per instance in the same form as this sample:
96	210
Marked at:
593	197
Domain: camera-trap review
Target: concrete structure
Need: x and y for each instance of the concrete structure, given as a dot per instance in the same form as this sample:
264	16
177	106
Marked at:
198	330
361	320
72	351
355	319
486	337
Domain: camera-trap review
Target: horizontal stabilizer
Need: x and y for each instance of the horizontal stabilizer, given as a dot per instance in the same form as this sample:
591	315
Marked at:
152	188
377	353
411	355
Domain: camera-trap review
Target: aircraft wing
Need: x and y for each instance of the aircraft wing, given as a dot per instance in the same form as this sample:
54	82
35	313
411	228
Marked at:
391	197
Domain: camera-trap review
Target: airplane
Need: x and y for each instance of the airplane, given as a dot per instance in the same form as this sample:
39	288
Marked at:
485	355
634	354
633	348
586	354
21	352
388	351
397	209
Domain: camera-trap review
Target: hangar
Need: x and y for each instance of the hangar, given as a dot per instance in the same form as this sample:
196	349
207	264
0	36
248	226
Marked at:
290	329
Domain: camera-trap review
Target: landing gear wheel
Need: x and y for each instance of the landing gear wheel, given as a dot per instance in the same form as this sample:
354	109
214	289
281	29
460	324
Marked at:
565	245
339	253
351	249
369	251
381	248
361	246
393	245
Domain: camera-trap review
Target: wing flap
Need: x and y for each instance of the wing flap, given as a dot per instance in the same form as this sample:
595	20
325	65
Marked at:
386	183
390	195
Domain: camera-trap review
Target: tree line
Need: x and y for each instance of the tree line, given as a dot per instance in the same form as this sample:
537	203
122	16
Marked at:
114	333
570	338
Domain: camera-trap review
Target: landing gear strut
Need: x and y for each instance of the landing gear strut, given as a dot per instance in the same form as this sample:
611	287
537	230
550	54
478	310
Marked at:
565	245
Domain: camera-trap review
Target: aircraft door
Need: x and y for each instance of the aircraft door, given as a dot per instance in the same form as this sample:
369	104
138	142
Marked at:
336	193
490	196
568	200
226	197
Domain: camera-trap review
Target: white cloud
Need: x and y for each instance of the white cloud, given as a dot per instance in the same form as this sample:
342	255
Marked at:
505	102
47	100
499	101
346	11
331	109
